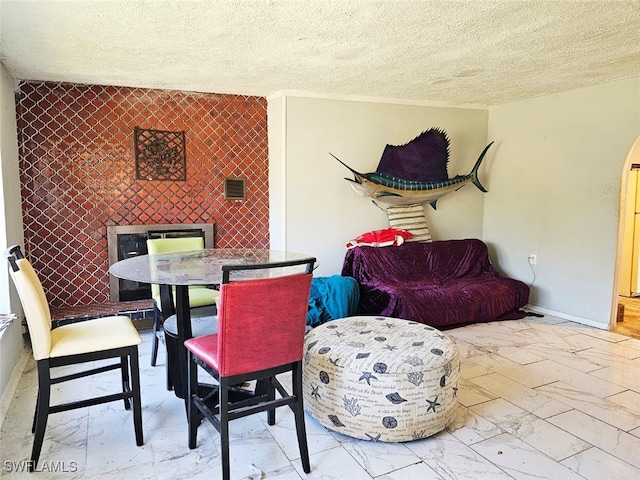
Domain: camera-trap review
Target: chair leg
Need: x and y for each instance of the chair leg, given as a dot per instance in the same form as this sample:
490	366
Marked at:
35	413
271	396
124	369
155	329
298	411
42	410
224	427
192	386
169	379
135	389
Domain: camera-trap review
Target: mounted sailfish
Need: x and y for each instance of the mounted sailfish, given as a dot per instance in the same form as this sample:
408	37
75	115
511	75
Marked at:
414	173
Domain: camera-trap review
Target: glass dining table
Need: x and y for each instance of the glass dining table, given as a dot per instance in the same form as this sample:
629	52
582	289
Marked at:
190	268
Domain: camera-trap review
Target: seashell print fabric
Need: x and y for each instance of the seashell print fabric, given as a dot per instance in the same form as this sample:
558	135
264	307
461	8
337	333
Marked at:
381	378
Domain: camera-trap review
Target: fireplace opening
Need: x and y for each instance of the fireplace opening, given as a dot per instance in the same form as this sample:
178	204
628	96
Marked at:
127	241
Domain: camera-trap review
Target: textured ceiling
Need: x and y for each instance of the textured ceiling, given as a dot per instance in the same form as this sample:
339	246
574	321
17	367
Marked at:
449	52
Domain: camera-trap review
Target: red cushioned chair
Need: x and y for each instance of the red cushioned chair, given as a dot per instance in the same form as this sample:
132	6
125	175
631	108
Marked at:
261	327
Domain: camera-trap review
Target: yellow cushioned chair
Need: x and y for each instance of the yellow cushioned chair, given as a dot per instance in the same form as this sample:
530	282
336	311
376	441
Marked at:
199	296
76	343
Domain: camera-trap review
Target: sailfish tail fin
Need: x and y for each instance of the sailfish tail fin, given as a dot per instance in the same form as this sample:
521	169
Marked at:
474	171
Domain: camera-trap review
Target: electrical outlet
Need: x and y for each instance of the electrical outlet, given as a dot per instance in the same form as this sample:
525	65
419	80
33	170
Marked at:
532	258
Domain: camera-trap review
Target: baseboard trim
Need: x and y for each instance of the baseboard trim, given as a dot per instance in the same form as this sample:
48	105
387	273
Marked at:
566	316
14	380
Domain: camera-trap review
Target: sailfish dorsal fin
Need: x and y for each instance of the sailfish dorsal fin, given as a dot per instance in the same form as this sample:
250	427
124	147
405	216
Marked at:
423	159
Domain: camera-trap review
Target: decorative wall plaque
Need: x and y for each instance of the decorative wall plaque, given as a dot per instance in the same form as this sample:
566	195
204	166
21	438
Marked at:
160	155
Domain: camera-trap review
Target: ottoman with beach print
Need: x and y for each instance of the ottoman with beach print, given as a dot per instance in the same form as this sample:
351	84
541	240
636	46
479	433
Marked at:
380	378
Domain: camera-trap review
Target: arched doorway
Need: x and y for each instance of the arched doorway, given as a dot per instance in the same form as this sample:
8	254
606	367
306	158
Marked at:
626	279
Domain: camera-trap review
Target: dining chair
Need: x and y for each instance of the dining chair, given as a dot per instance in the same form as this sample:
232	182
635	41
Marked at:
261	328
199	296
112	337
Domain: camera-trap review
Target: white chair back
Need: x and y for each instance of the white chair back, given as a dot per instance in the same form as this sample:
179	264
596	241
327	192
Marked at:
35	306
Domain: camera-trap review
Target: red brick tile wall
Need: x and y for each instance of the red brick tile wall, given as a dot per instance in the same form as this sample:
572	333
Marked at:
77	172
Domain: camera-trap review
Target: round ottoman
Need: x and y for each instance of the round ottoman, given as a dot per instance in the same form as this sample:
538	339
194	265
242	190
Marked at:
380	378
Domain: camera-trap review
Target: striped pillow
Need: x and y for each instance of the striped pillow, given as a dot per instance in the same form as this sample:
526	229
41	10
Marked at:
411	218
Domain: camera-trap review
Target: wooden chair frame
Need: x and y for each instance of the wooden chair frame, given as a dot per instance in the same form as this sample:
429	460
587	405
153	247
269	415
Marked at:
127	363
219	406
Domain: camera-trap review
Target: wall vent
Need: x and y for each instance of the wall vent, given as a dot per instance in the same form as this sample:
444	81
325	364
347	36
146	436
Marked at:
234	189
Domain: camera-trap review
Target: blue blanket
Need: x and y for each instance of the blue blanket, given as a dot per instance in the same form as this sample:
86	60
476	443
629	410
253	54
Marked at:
331	298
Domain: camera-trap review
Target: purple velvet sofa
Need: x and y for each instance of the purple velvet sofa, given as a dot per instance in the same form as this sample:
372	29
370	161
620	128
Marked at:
442	284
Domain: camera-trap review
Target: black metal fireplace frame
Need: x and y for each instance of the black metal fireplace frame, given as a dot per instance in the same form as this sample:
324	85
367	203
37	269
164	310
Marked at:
139	232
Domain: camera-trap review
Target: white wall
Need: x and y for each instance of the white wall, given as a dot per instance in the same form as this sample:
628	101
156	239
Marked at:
11	341
321	211
277	170
554	190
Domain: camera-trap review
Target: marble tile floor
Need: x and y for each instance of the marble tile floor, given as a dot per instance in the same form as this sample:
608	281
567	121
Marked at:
540	398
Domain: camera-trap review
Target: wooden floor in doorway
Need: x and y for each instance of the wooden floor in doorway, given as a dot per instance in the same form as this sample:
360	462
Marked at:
631	324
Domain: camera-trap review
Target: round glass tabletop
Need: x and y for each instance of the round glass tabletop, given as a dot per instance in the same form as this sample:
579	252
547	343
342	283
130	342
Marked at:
199	267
